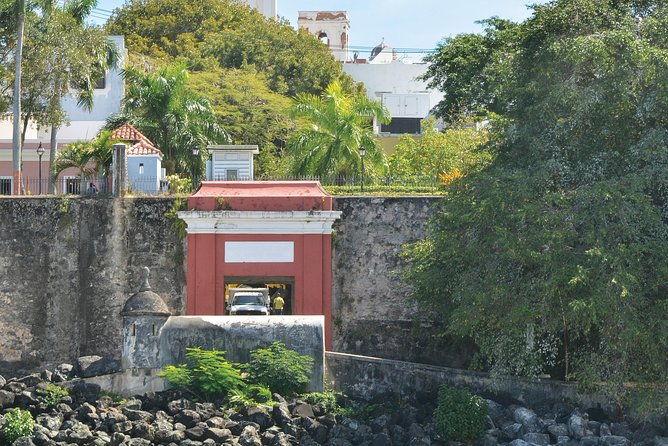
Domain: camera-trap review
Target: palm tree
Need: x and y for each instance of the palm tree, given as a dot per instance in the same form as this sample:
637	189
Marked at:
339	124
91	158
175	119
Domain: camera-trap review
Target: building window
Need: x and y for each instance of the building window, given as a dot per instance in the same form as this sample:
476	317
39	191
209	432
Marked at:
5	185
232	174
324	38
101	83
399	126
141	168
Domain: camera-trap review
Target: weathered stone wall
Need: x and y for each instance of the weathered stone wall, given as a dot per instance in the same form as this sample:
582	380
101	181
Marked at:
68	265
371	312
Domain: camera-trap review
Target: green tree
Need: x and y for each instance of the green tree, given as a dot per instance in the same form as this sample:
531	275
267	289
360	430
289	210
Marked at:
173	117
91	158
336	125
435	152
211	34
553	258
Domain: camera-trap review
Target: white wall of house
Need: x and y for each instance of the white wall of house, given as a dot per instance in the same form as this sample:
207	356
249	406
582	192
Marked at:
397	87
145	173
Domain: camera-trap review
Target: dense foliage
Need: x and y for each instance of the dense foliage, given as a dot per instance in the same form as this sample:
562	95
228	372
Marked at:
439	153
282	370
226	34
207	374
336	125
18	423
460	415
554	258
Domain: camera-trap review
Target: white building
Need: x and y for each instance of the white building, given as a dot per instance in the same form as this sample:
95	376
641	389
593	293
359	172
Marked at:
331	27
83	125
231	162
267	7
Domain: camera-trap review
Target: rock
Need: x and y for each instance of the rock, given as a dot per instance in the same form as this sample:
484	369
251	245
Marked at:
660	441
133	404
196	433
189	418
328	420
142	429
558	430
259	416
58	377
512	430
139	442
215	422
565	439
577	426
589	441
281	414
303	410
3	381
87	412
138	415
250	437
175	436
6	399
45	375
381	439
15	387
79	434
519	442
93	365
315	429
528	419
621	429
536	438
23	441
604	430
30	380
218	435
50	422
176	406
397	433
614	440
497	412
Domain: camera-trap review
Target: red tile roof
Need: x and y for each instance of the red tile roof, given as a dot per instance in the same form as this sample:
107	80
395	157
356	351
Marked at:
139	144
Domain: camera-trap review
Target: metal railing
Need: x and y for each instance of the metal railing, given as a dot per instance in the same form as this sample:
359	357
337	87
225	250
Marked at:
337	185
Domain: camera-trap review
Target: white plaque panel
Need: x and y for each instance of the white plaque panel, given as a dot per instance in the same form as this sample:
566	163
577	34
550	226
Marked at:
259	252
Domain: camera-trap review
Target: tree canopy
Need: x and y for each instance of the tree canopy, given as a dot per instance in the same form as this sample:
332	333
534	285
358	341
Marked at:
554	258
336	125
226	34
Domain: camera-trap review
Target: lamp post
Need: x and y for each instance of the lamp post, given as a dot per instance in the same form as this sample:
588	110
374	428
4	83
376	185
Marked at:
40	152
362	153
195	158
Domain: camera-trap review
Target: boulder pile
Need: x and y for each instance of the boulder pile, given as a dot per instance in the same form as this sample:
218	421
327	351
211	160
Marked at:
88	416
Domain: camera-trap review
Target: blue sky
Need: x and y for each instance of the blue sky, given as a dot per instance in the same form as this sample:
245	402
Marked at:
403	23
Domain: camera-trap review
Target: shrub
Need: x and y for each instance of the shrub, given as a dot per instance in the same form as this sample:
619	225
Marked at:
282	370
51	394
18	423
207	375
460	415
329	400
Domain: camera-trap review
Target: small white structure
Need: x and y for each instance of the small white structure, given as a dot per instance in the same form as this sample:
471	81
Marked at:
144	161
231	162
331	27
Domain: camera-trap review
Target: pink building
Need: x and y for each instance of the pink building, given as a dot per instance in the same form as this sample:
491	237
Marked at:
261	233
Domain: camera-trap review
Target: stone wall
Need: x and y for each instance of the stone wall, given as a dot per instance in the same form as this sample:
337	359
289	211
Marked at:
67	265
372	314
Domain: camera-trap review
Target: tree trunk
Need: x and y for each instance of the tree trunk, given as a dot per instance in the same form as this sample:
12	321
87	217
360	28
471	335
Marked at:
53	150
16	137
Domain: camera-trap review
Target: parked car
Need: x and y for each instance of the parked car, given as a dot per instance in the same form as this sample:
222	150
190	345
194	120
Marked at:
248	301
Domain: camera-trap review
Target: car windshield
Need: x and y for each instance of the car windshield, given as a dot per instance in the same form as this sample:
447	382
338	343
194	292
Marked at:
248	299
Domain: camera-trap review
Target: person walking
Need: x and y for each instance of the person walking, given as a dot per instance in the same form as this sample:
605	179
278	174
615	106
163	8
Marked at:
279	303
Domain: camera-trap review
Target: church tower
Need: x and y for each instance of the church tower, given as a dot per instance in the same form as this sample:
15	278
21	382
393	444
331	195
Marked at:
331	27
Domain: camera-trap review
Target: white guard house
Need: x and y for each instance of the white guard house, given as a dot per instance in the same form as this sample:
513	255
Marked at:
145	171
231	162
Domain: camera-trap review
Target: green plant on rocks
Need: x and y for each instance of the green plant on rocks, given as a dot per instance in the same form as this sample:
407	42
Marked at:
207	375
51	394
460	415
282	370
18	423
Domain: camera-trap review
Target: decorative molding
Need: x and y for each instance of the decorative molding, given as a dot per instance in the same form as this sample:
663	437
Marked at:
259	222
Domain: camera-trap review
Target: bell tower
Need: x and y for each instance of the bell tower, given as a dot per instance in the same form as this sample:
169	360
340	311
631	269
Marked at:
331	27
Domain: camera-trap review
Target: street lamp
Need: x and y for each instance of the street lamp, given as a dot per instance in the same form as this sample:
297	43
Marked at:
195	158
362	153
40	152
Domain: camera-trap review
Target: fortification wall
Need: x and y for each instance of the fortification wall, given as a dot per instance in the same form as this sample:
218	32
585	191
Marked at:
68	265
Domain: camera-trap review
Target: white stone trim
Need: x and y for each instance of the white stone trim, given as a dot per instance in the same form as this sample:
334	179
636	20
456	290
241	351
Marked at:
259	222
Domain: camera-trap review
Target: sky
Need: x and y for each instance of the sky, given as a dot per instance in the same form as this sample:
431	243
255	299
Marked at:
404	24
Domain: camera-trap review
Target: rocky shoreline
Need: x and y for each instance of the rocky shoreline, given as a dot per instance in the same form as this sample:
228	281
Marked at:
89	416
